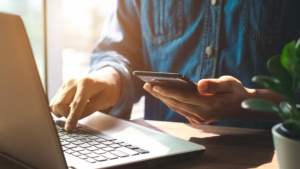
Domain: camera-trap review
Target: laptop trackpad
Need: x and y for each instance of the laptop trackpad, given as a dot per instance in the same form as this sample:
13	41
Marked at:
116	127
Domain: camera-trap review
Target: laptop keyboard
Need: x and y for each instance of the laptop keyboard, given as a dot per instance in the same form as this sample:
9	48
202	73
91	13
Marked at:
94	148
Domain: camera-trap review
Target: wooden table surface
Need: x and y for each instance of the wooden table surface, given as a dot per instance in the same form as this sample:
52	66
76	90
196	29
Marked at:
226	147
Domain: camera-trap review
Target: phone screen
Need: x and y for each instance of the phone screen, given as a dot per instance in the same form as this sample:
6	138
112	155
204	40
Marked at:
167	79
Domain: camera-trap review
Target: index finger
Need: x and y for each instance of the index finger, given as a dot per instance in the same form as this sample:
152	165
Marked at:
76	108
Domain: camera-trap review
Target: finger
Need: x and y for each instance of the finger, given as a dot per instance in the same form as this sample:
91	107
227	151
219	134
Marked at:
192	118
97	103
53	100
188	110
224	84
184	96
77	106
194	121
175	105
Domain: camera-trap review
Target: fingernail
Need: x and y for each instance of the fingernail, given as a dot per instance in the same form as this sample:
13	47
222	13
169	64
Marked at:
146	87
68	127
156	89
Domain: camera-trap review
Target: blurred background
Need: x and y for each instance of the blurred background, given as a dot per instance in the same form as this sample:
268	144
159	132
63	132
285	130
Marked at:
71	28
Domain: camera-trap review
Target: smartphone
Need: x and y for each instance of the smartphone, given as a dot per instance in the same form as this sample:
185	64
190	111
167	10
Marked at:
167	79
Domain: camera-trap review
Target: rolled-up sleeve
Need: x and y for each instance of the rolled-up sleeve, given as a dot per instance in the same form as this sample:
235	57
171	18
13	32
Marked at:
120	46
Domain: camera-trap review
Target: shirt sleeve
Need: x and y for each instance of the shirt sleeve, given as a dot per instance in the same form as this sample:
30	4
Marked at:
120	46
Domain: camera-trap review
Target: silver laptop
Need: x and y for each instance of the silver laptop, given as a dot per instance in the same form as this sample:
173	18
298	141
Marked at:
30	134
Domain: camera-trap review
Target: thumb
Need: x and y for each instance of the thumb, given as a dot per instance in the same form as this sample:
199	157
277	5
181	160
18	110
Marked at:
225	84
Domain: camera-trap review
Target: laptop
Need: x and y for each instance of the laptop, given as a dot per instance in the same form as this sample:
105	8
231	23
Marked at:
31	135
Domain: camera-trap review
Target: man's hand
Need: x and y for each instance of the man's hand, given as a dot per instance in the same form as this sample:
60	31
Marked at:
81	97
216	99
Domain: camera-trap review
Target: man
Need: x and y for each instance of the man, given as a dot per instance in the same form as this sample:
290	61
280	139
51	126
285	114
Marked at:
222	43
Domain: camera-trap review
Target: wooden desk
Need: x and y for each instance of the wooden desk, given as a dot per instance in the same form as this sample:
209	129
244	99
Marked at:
226	147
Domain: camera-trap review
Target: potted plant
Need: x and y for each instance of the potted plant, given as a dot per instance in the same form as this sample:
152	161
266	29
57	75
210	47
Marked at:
284	80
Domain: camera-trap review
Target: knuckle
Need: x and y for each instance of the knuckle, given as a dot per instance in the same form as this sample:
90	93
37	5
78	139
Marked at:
70	82
77	104
86	81
173	103
57	106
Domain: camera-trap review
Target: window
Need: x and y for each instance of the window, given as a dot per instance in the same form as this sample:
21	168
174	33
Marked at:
82	23
32	14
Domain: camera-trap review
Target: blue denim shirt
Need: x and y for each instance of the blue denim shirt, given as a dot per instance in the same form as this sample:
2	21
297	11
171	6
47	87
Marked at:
174	35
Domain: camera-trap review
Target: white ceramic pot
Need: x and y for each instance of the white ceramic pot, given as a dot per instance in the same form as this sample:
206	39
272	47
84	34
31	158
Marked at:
287	146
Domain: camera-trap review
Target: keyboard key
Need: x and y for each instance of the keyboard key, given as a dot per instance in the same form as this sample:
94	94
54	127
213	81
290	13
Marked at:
142	151
100	151
64	137
91	160
70	146
118	141
107	143
100	146
71	140
119	153
69	151
78	142
92	137
108	149
72	135
92	155
125	144
132	147
83	157
64	148
76	154
61	134
109	156
85	145
78	137
92	148
85	140
84	152
100	158
127	151
77	149
100	140
64	143
93	143
115	145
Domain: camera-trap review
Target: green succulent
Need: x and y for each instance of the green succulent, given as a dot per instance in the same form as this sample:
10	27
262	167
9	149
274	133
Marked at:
284	80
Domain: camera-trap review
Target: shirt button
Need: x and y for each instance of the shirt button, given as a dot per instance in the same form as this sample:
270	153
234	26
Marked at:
208	51
213	2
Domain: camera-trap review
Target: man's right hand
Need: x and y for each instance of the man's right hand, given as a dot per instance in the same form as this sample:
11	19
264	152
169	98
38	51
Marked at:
78	98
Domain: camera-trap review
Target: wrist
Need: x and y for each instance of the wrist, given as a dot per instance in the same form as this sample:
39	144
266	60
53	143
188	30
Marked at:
110	77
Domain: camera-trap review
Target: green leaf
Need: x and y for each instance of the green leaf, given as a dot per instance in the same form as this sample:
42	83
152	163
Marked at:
286	110
260	105
277	70
298	47
288	55
290	60
274	85
296	71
